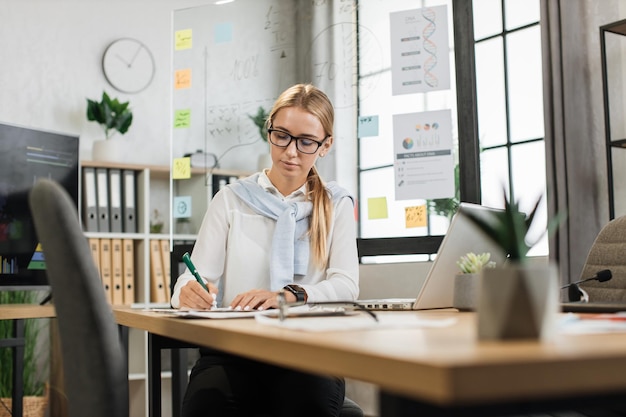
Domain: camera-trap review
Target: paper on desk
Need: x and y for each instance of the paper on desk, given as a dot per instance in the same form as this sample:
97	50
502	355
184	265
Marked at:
359	321
228	313
585	323
221	313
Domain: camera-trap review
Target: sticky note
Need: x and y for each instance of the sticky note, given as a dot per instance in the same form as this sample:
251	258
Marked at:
182	118
415	216
182	207
182	79
182	39
181	168
368	126
223	32
377	208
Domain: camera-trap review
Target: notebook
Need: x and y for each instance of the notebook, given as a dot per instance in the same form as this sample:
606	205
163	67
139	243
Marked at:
438	289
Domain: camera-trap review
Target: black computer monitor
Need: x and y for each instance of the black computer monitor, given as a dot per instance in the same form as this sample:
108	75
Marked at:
25	156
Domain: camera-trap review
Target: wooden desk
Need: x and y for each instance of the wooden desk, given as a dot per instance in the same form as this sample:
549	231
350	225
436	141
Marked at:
18	313
443	371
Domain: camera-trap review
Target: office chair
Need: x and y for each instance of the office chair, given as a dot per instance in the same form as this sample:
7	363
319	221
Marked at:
94	361
607	252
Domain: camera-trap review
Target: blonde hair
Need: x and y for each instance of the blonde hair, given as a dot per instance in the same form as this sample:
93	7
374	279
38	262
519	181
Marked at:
314	101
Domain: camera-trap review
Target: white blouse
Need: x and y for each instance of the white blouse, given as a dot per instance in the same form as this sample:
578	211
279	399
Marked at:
233	246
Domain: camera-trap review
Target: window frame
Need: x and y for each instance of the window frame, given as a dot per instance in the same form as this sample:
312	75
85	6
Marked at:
469	147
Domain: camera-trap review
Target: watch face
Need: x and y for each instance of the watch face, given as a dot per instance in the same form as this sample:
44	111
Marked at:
128	65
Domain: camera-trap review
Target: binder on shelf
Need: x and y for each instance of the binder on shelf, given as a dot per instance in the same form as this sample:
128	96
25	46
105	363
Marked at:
128	262
105	268
165	261
102	185
117	284
90	200
94	246
129	202
115	200
158	292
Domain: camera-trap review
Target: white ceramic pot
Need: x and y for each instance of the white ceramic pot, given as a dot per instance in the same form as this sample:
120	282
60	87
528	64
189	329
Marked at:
518	302
109	150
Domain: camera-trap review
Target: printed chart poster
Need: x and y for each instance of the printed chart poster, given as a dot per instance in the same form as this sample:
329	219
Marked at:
424	164
420	52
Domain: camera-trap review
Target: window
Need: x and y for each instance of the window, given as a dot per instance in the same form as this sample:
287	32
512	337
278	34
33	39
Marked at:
510	105
509	122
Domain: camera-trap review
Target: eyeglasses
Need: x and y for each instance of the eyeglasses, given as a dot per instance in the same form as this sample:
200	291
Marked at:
284	139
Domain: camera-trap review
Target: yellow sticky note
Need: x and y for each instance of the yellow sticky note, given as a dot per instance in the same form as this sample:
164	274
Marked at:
377	208
182	79
182	39
415	216
182	118
181	168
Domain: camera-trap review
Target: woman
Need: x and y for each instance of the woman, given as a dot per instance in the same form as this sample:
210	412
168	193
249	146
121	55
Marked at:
280	229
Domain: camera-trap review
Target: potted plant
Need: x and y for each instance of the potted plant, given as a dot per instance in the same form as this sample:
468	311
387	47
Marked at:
260	121
35	399
518	300
114	117
467	282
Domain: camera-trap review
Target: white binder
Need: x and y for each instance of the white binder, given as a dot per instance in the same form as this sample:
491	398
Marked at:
102	179
129	202
90	200
115	200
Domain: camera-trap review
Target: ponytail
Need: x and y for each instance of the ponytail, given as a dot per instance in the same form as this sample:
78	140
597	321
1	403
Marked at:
321	216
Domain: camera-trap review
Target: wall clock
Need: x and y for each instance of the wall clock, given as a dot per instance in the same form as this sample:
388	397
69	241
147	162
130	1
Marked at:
128	65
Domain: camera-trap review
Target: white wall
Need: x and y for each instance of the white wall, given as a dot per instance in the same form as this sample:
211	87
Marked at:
50	63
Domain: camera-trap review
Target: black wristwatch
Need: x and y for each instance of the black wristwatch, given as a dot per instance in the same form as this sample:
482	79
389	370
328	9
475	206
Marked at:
298	291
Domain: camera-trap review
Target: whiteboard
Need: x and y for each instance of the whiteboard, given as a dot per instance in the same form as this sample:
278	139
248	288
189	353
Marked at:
241	55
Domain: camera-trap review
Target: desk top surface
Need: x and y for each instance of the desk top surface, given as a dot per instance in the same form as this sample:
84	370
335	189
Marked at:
447	365
25	311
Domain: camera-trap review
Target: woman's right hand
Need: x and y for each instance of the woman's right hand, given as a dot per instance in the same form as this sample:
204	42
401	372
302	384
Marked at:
193	296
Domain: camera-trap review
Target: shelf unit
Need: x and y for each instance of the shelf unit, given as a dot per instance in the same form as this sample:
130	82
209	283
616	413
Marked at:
153	193
613	55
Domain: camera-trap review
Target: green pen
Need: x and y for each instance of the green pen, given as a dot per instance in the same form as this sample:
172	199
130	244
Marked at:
194	271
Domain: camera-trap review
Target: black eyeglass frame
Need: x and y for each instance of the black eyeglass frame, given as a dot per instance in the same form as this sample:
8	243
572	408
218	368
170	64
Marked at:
297	139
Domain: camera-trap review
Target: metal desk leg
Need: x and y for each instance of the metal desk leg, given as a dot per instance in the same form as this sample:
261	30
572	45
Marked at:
154	376
179	380
18	367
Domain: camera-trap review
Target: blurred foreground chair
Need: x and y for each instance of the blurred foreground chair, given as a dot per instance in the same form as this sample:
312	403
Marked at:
607	252
94	360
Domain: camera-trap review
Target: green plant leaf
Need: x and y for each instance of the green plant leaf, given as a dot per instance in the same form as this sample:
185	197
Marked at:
34	375
260	120
509	228
112	115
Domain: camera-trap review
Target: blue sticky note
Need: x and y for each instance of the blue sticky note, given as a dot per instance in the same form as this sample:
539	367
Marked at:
182	207
223	32
368	126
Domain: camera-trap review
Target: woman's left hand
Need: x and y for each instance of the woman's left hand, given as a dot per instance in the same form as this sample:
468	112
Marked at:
255	299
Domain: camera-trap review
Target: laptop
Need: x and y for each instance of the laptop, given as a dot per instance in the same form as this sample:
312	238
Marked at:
592	307
438	288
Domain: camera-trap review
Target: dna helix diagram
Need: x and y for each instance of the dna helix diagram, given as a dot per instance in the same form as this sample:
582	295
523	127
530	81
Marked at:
429	47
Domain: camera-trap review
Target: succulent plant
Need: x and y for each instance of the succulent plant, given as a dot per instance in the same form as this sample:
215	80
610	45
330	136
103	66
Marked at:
473	264
509	228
